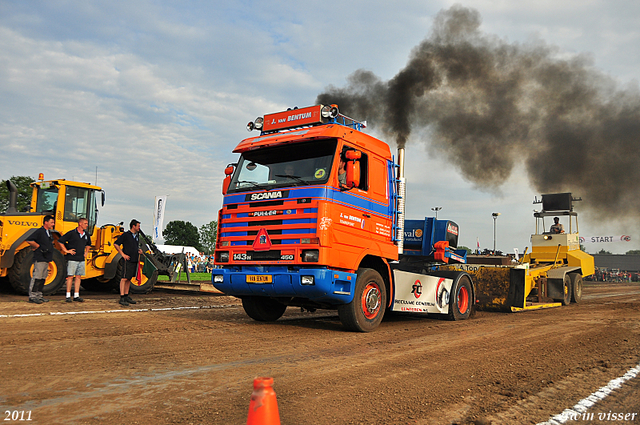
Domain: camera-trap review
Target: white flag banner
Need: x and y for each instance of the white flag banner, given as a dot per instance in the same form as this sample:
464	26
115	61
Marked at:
158	216
600	239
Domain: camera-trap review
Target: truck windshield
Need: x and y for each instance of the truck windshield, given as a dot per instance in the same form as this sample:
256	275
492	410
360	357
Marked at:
290	165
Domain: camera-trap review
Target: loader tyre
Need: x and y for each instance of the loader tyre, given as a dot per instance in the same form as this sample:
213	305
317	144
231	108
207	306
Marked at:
22	270
145	286
461	299
364	313
576	287
97	285
263	309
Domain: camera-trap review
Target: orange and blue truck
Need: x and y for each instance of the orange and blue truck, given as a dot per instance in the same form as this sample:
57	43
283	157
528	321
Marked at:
313	216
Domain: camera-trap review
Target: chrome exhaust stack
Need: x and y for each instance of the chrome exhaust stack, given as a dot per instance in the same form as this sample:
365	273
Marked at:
401	200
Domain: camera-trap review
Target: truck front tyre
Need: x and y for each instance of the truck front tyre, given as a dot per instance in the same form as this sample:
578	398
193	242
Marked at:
576	287
21	272
461	300
263	309
364	313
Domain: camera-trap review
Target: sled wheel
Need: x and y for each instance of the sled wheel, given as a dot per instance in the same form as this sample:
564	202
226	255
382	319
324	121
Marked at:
576	287
566	289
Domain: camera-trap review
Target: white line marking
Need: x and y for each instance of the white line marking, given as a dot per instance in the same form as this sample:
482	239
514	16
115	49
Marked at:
575	413
136	310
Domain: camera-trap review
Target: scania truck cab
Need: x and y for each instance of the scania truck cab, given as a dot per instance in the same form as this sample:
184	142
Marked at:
312	217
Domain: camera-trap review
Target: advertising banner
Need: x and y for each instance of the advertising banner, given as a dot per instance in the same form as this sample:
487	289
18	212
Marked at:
599	239
158	216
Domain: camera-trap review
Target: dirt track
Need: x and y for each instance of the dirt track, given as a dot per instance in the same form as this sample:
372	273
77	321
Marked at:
196	366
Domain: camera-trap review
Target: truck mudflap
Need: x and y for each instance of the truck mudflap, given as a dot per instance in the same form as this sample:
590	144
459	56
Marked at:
422	293
320	285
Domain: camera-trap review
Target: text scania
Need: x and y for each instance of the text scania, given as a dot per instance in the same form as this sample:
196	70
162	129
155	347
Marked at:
267	195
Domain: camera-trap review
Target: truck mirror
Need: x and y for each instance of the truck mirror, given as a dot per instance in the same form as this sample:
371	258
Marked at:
104	196
227	180
353	154
353	174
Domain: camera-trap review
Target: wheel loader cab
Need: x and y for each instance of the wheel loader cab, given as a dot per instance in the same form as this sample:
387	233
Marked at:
68	203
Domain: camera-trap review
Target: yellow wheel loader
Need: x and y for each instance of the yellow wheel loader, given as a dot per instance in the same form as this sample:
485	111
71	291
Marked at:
67	202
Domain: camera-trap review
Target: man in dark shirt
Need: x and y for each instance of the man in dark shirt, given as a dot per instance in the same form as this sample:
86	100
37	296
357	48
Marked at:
128	247
41	242
75	244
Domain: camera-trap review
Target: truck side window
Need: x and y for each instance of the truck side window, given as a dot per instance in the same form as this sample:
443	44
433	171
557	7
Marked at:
364	168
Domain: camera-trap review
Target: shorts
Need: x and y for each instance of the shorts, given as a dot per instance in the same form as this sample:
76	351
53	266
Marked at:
130	270
75	268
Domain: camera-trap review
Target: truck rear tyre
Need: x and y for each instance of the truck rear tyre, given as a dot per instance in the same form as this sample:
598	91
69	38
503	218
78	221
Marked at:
364	313
461	299
22	270
263	309
576	287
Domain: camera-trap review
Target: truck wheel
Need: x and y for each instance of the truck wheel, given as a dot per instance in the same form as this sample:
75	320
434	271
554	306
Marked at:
364	313
566	288
263	309
22	270
461	300
576	287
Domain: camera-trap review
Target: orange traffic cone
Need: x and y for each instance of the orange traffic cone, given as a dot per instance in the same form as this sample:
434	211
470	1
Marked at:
263	409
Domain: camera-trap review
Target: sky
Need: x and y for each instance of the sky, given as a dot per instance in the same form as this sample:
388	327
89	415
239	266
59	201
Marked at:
149	98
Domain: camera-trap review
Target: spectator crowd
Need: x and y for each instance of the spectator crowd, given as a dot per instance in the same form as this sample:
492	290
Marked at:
200	263
613	275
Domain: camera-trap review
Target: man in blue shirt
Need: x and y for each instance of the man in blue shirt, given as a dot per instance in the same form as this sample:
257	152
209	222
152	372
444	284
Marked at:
128	246
75	244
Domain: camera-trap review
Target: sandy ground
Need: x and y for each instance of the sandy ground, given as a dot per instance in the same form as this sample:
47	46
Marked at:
147	364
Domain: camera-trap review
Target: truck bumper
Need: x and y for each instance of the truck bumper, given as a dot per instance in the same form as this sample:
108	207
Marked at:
329	286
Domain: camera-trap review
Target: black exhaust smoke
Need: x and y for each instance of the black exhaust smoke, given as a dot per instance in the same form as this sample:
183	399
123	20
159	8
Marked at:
486	105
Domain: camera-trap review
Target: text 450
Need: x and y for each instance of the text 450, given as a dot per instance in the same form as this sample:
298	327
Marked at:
17	415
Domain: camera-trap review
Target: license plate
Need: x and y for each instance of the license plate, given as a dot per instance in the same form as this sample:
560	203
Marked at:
259	278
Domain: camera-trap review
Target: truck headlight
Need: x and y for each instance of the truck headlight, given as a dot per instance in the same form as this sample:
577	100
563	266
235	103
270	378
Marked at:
307	280
310	255
223	256
546	237
218	278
